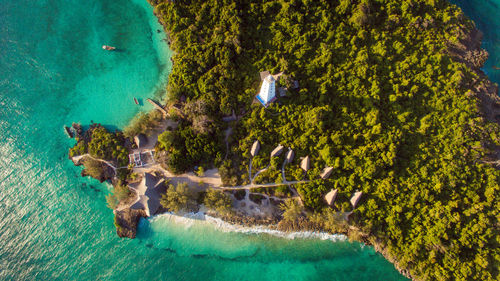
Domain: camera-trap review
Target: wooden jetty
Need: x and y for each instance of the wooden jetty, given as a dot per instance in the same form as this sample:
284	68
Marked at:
158	106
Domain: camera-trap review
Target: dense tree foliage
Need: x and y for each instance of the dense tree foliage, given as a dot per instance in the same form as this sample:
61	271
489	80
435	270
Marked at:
291	210
179	198
108	146
120	192
93	168
218	201
102	144
186	148
380	100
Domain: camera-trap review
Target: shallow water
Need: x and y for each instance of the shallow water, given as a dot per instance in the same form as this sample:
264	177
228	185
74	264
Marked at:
54	225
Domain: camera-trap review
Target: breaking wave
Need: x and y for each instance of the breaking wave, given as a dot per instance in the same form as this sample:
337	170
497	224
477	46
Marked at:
189	219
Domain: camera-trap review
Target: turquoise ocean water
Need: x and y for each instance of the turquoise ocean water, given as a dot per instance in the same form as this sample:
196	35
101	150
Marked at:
54	225
486	15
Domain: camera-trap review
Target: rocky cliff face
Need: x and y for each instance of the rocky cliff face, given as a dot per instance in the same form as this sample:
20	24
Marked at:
468	51
126	221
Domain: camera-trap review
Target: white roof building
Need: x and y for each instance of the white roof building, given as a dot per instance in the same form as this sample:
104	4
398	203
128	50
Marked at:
267	92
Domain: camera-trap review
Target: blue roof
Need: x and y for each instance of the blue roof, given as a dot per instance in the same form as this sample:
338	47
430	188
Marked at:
267	93
261	101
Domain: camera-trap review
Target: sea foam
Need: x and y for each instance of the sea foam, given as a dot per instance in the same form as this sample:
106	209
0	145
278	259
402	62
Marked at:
190	219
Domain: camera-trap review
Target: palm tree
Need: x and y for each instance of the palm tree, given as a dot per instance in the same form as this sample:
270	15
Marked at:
179	198
292	209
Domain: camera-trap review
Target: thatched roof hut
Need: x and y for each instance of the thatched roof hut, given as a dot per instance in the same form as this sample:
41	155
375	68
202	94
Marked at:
305	164
289	156
255	148
326	173
355	198
330	196
277	151
140	140
148	194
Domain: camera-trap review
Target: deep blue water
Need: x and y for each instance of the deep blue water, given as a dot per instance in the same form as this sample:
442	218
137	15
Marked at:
54	225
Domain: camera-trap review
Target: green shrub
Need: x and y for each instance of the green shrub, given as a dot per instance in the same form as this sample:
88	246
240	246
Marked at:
120	192
93	168
218	201
108	146
179	198
79	149
292	210
143	123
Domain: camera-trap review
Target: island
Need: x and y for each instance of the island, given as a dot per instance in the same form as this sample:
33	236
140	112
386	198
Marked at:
367	118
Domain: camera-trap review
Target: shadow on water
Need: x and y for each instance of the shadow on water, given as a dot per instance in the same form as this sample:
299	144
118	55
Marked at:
144	231
241	258
168	250
260	249
90	187
111	128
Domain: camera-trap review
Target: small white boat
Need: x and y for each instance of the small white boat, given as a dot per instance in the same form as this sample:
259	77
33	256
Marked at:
108	48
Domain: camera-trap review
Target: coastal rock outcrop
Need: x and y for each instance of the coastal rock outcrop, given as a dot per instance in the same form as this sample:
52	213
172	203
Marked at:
468	51
126	221
384	252
106	172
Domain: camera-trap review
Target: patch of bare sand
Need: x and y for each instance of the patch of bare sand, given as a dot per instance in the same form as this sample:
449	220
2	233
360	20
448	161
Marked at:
153	137
211	177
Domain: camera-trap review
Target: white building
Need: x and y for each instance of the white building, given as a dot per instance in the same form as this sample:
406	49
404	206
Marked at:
267	92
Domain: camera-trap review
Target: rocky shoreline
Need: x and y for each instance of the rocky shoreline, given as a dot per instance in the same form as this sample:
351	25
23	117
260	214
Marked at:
107	175
126	222
468	51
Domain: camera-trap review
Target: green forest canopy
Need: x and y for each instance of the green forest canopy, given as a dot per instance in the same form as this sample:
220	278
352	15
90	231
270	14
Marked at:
380	100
